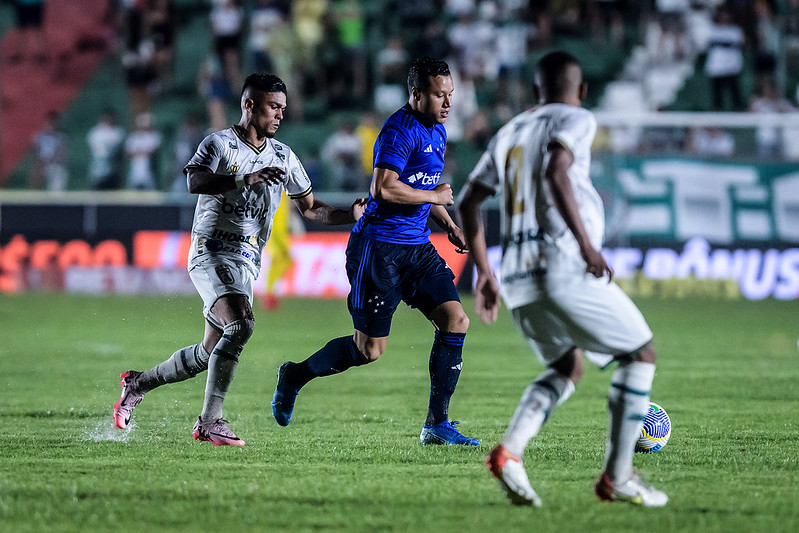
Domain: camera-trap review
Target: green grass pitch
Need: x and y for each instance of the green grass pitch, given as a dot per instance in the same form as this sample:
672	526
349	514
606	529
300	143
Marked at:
728	376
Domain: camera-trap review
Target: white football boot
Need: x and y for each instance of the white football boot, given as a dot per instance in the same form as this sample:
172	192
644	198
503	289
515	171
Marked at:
632	491
512	477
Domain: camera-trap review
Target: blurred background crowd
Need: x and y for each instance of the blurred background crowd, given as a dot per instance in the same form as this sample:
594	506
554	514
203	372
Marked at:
117	94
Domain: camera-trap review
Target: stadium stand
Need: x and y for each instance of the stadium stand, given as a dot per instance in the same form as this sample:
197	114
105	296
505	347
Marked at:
627	75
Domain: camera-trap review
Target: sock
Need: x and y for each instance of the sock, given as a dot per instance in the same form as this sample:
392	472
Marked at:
628	402
183	364
222	365
336	356
445	368
540	398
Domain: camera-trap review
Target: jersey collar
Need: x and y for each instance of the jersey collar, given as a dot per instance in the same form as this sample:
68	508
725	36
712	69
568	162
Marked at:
257	149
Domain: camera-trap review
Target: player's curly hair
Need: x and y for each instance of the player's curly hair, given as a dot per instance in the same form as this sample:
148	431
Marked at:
261	81
422	69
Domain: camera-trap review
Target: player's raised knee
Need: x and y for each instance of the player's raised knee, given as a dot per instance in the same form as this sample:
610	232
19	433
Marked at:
240	331
371	349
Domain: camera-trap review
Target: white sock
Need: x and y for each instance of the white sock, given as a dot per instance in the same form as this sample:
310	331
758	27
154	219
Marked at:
548	391
628	402
222	366
183	364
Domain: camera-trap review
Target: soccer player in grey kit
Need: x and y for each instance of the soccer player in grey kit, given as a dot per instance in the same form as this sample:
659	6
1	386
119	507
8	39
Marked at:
239	174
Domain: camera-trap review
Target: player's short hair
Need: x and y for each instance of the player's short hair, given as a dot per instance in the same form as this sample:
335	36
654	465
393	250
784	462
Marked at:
422	69
552	68
267	83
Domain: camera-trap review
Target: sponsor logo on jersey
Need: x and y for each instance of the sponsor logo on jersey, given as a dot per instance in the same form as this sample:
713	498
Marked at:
215	246
225	275
425	179
248	210
429	149
232	145
229	236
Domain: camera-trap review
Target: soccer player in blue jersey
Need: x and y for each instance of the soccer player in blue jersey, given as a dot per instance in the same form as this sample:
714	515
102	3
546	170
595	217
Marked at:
390	257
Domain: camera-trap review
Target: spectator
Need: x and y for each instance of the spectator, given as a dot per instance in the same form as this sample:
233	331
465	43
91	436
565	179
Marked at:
673	37
51	151
161	26
367	132
725	60
341	156
105	145
512	38
286	52
607	20
712	141
264	19
189	137
768	100
347	84
472	45
215	89
390	76
308	17
227	25
767	39
141	147
138	56
141	76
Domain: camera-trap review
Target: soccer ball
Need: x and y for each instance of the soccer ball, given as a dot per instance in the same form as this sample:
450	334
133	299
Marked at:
656	431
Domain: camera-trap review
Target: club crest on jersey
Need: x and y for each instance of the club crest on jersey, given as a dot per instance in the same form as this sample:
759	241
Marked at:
225	276
234	168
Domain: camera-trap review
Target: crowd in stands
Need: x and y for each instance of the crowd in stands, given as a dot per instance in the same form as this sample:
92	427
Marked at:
350	59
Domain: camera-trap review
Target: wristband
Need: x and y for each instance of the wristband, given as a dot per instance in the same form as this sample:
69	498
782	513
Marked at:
240	184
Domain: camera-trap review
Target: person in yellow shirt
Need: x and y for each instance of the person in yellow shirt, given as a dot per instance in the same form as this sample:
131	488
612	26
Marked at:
279	249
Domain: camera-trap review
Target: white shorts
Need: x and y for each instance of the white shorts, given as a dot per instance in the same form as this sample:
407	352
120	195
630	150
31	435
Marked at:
218	276
592	314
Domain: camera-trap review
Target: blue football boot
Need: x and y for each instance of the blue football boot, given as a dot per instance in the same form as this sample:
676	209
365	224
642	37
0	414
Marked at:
283	399
445	433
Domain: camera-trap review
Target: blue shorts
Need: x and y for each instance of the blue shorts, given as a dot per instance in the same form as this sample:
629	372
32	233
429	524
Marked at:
382	274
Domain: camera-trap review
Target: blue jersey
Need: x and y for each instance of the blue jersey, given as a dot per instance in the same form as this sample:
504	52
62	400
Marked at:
416	153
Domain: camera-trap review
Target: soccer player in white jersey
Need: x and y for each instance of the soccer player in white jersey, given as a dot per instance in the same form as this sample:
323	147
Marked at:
556	283
239	174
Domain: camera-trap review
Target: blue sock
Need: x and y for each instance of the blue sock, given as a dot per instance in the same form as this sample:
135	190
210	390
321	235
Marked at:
445	369
336	356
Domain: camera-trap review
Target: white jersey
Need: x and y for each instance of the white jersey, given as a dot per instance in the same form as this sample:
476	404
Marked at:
536	240
237	223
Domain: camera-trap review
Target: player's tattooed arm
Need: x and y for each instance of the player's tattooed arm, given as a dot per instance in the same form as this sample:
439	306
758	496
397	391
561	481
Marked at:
203	181
318	211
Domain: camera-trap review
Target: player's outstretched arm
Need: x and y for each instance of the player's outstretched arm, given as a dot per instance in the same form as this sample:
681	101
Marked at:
318	211
486	295
202	181
387	187
556	173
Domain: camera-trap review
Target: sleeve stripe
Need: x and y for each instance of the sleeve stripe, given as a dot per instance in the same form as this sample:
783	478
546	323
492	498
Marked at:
302	194
389	166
